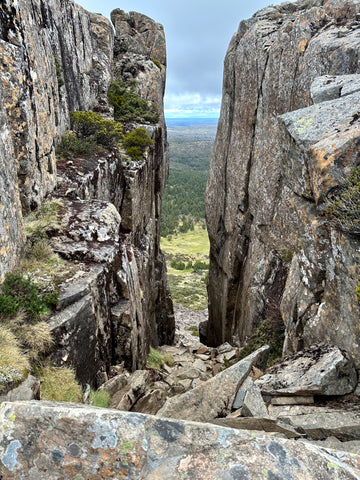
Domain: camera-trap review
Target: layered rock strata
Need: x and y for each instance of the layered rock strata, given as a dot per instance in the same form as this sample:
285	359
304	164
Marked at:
273	252
55	57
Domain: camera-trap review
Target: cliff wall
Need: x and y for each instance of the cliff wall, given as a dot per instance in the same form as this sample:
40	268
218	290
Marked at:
273	252
55	57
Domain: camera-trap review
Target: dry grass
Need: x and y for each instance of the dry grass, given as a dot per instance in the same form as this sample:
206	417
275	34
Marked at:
37	338
59	385
11	354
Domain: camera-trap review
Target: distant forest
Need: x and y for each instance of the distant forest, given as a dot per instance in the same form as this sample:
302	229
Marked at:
190	145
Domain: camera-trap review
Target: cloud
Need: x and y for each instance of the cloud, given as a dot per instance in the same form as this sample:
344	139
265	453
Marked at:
191	104
198	33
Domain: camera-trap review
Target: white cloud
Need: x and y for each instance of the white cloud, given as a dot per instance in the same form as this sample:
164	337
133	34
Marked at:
192	104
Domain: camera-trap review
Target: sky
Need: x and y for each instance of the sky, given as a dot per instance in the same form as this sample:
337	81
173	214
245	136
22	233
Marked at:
197	33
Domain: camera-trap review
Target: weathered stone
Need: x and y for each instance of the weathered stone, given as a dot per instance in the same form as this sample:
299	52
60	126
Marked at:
253	405
331	87
29	389
224	348
115	384
297	400
90	231
258	424
319	370
151	402
335	444
272	251
215	397
344	425
66	439
82	329
127	396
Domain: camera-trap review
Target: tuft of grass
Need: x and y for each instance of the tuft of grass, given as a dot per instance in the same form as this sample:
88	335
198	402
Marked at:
36	338
100	398
14	364
286	255
157	63
59	385
156	360
343	209
44	220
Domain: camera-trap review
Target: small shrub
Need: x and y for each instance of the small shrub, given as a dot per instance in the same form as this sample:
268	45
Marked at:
156	359
344	209
92	125
71	143
358	292
136	142
128	105
59	385
100	398
178	265
43	221
200	265
19	292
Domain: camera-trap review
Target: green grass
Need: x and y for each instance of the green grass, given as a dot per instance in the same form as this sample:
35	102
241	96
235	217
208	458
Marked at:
188	288
193	244
157	359
100	398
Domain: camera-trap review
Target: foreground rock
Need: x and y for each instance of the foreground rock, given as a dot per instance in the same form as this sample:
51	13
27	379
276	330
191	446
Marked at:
215	397
72	441
318	370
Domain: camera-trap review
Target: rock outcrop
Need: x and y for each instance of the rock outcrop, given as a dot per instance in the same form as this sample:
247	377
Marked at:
50	441
273	252
55	57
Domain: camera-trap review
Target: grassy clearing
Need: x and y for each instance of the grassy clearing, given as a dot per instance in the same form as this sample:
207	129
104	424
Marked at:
193	244
188	288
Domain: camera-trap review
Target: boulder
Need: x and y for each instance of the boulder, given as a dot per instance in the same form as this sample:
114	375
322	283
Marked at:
321	423
253	404
29	389
68	440
215	397
151	402
319	370
125	398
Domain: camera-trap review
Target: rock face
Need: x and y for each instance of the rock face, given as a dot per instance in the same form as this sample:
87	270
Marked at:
319	370
49	441
55	57
273	252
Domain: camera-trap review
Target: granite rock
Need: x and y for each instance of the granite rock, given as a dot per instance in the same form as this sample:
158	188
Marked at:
272	251
318	370
68	440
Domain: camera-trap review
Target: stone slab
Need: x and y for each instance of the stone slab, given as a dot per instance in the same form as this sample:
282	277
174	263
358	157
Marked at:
71	441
